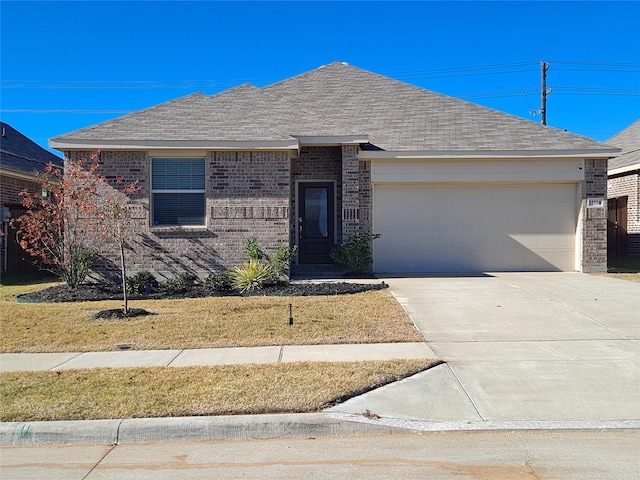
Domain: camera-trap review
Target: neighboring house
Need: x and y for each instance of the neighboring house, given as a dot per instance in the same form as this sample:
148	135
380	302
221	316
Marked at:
623	202
20	160
450	186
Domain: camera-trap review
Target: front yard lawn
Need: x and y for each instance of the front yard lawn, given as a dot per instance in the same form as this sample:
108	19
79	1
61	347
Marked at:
193	391
209	322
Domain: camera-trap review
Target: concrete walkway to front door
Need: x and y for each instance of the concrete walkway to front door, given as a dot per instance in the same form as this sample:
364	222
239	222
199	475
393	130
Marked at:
518	347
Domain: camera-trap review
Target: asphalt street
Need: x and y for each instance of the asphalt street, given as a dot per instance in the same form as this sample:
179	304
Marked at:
488	455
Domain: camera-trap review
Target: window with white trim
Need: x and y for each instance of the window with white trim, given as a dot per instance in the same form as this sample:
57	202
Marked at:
178	191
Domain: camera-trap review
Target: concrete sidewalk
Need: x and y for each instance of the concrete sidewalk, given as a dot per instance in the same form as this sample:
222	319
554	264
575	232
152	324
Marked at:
12	362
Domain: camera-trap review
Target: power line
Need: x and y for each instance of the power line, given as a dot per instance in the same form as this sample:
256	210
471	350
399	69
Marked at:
66	111
451	72
203	84
608	64
599	91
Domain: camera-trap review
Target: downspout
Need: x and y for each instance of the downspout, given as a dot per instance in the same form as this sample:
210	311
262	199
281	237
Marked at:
5	250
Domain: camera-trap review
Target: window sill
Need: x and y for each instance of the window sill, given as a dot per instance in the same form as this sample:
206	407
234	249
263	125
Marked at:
179	229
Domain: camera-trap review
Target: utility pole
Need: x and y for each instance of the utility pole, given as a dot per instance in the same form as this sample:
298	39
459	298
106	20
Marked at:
545	92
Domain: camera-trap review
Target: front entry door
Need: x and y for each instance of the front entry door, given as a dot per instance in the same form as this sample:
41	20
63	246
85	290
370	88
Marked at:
316	218
617	227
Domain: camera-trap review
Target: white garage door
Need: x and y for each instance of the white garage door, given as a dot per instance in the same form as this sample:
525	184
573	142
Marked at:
475	228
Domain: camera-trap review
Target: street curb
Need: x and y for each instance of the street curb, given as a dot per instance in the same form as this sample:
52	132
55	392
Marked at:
149	430
248	427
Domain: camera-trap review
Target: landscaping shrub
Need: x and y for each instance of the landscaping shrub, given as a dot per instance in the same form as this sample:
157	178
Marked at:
282	260
354	256
142	282
78	267
251	276
253	249
220	282
181	283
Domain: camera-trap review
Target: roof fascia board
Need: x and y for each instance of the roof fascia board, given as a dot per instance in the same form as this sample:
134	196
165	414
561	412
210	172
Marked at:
628	168
331	140
387	155
16	174
62	145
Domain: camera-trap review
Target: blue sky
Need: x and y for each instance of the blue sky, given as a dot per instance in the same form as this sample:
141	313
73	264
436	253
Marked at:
70	65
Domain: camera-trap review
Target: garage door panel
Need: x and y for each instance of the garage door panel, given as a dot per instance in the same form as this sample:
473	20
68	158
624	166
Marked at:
469	228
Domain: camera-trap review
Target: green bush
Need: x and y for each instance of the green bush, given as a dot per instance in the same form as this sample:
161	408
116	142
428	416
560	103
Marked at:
80	262
138	282
253	249
251	276
181	283
282	260
219	282
354	256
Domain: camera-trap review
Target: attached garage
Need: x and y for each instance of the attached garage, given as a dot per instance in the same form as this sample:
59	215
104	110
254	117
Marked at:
494	218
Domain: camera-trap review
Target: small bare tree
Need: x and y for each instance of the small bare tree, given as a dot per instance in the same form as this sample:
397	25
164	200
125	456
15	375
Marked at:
117	224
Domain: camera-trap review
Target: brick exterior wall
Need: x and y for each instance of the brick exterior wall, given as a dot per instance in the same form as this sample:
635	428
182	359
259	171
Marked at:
628	185
365	190
350	191
10	187
247	195
18	262
594	220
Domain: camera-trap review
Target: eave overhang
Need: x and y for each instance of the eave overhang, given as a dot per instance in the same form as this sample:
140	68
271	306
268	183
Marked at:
70	144
622	170
485	154
18	174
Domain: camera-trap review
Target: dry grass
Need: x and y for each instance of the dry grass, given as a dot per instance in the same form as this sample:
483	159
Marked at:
197	323
627	268
629	277
9	292
368	317
193	391
623	269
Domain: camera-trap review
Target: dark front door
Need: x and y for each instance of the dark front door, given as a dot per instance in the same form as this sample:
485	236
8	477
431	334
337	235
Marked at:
617	227
316	218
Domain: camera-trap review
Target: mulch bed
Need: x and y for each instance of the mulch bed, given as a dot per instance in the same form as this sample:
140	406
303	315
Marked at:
110	291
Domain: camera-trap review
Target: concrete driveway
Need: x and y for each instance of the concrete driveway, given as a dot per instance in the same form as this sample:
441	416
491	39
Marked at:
561	347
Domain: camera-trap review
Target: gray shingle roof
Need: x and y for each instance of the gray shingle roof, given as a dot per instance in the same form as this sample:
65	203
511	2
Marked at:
338	100
21	154
629	141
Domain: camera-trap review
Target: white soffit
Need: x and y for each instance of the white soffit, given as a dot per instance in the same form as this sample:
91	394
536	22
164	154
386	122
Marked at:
627	169
172	144
482	155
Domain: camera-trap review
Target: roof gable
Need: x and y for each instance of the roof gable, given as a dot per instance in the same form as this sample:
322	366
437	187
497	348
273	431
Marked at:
629	141
21	154
339	100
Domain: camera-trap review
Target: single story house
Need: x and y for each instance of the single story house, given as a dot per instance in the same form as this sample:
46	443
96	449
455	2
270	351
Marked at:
309	161
20	160
623	193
